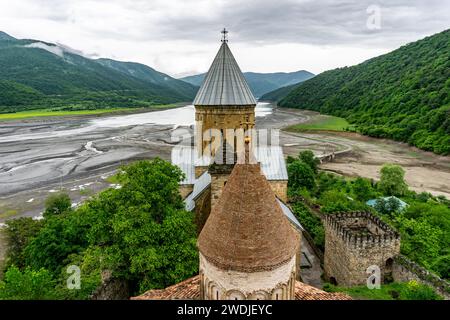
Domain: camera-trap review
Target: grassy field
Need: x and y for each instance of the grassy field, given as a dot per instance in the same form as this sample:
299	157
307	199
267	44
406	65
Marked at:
323	123
393	291
53	113
6	213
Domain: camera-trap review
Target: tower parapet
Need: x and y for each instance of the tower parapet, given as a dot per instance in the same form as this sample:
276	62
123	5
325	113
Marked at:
360	229
355	241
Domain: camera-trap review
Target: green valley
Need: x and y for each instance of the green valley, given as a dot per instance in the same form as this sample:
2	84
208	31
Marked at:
39	75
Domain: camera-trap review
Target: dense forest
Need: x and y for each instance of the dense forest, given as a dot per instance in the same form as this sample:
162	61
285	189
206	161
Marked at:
424	223
141	234
403	95
37	75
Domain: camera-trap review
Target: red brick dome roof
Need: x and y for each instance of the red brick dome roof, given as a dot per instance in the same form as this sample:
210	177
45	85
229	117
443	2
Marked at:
247	230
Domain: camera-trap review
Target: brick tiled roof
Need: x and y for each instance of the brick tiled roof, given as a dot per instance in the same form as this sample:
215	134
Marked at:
247	230
306	292
190	290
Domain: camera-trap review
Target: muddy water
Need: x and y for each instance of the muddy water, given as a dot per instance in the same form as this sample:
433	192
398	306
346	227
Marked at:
41	156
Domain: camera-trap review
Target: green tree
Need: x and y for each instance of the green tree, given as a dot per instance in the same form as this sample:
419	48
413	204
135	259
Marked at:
418	291
142	231
300	176
392	181
310	159
362	189
27	285
420	240
389	206
57	204
61	235
19	233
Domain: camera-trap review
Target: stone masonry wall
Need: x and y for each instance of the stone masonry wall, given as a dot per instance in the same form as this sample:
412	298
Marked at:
405	270
348	256
218	181
202	209
185	190
279	187
278	283
222	118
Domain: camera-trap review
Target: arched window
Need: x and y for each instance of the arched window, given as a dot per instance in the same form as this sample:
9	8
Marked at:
235	295
333	281
214	294
388	271
259	295
277	294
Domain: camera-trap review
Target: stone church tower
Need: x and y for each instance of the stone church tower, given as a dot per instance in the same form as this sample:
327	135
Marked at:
224	111
224	101
248	250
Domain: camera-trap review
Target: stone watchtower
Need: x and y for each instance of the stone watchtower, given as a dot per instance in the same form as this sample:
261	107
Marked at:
355	241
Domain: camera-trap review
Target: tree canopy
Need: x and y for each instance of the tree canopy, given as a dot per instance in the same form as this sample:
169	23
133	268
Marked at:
140	233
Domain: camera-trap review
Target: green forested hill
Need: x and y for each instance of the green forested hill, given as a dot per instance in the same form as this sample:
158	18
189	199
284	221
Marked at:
35	74
278	94
145	73
403	95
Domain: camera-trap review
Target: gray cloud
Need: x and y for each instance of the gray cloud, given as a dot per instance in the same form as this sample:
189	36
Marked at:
324	22
178	36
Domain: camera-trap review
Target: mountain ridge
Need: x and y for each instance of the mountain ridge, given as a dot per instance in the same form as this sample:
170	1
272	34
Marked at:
402	95
261	83
63	79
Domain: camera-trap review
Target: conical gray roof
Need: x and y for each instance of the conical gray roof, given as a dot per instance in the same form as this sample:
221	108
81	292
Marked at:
224	84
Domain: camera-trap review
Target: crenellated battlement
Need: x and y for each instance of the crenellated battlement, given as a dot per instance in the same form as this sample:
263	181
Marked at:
359	229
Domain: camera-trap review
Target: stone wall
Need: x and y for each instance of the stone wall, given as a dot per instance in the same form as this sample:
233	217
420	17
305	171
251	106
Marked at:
222	118
199	170
218	181
202	209
111	288
185	190
348	255
405	270
264	285
279	187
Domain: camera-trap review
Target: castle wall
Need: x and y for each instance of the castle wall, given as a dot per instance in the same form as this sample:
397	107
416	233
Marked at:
222	118
273	284
347	256
405	270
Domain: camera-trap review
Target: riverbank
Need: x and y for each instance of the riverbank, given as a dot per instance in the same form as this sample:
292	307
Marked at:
41	156
71	113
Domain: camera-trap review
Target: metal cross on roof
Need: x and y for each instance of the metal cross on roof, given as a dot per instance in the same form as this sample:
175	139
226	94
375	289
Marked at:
224	36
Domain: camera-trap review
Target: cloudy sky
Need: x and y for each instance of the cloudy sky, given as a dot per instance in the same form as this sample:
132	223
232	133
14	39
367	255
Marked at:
181	37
